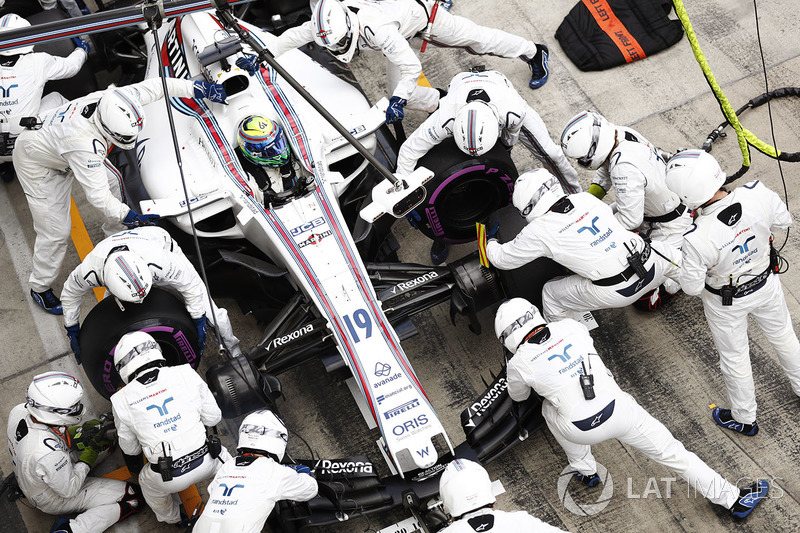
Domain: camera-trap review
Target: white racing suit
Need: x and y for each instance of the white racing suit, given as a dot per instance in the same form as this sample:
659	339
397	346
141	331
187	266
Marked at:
56	483
244	492
643	202
500	522
386	25
550	362
163	412
729	241
516	119
171	269
581	233
71	144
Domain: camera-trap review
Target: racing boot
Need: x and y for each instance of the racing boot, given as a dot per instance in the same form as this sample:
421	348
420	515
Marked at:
61	525
48	301
540	70
723	418
439	251
132	502
749	497
590	480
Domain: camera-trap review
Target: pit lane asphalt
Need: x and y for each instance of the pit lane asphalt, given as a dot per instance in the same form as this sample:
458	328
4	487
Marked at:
666	360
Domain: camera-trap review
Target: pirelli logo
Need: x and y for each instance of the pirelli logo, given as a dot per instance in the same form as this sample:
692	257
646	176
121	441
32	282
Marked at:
401	408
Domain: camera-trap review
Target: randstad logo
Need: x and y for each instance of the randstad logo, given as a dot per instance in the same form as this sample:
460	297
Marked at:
585	509
6	93
743	247
593	229
564	357
162	409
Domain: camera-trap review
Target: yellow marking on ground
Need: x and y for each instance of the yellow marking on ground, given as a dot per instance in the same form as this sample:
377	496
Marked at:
80	237
423	81
120	474
713	405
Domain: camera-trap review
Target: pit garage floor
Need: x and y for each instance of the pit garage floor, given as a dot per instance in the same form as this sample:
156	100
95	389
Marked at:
666	360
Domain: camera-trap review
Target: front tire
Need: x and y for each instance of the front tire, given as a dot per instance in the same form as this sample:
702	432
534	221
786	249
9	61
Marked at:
161	314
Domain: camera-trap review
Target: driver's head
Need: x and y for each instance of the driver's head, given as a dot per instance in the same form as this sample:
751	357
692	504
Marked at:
262	142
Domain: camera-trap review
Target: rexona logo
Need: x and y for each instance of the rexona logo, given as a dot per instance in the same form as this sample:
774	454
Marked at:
343	467
294	335
489	398
410	425
401	408
407	285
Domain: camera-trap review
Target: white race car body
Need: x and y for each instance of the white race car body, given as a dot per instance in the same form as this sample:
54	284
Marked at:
306	235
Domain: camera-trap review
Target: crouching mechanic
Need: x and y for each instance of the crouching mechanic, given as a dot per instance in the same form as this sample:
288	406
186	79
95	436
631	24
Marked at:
583	405
245	489
128	264
727	261
53	477
479	109
625	160
613	267
74	140
346	27
162	412
30	71
466	492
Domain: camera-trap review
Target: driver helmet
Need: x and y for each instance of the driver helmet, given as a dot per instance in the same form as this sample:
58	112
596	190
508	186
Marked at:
336	28
464	487
476	128
514	320
120	117
262	141
127	276
13	22
54	398
264	433
133	352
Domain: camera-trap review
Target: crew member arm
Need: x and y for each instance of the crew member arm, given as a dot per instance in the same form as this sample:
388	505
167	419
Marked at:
61	475
59	68
518	389
84	278
175	270
127	439
525	248
781	217
297	487
149	91
292	38
210	413
430	133
398	52
693	269
629	184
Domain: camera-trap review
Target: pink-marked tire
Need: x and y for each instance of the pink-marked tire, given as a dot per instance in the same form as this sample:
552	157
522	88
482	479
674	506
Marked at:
162	315
464	190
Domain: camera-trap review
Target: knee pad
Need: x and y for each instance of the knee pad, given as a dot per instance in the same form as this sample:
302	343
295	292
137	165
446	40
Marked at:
132	502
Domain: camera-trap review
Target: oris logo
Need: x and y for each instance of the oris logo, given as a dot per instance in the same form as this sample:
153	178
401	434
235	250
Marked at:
294	335
343	467
489	398
410	425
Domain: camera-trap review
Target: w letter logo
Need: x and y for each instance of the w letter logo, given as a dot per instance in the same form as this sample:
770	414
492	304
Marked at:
743	248
593	229
564	357
162	410
228	491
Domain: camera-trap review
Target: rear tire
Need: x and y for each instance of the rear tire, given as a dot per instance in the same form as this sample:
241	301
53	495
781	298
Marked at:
162	315
464	190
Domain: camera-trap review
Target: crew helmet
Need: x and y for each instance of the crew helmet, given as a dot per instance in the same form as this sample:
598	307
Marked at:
54	398
589	138
263	431
535	191
133	351
464	487
127	276
514	320
262	142
336	28
12	22
476	128
695	176
120	117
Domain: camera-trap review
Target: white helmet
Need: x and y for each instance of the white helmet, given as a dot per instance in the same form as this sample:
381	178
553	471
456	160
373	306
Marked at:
589	138
464	487
695	176
120	117
127	276
336	28
133	351
54	398
12	22
535	191
263	431
476	128
516	318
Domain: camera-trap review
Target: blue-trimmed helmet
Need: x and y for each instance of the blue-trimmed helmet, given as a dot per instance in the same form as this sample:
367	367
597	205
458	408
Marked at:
262	142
